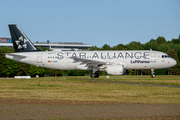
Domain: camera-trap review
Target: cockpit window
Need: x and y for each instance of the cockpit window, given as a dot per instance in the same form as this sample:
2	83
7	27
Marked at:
165	56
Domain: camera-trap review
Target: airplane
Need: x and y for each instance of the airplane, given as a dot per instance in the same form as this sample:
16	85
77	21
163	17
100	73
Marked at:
112	62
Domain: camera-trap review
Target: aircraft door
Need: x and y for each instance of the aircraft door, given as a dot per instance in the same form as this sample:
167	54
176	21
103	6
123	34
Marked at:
39	58
153	57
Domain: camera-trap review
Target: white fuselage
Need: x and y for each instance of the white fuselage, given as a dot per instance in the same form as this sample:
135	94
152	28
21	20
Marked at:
131	59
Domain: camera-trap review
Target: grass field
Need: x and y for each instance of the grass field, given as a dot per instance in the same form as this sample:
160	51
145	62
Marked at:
78	89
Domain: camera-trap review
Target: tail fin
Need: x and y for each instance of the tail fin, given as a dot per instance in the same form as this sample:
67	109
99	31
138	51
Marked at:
21	42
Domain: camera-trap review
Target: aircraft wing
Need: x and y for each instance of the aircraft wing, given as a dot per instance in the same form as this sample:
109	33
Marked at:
88	62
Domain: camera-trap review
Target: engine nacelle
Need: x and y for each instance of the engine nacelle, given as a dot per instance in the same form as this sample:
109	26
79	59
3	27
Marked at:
115	69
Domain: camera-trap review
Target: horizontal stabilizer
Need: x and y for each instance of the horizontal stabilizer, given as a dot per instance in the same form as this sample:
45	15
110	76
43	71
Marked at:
15	55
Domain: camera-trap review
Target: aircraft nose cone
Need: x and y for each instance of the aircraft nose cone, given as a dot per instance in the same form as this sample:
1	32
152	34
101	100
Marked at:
173	62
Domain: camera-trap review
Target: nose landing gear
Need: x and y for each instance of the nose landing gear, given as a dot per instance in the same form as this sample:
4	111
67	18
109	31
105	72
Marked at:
152	73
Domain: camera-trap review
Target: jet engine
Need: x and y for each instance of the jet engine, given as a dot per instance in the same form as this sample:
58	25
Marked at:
115	69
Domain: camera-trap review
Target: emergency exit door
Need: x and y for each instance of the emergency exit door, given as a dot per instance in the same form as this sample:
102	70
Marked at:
153	57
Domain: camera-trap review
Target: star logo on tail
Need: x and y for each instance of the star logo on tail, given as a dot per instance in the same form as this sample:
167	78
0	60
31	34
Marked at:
21	43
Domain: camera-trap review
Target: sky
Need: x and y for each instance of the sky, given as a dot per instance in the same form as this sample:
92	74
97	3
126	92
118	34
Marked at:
94	22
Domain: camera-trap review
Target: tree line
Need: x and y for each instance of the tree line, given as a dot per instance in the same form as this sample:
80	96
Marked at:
10	68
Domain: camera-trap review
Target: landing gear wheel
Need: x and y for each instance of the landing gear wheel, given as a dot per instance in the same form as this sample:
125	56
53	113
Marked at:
97	74
153	75
94	75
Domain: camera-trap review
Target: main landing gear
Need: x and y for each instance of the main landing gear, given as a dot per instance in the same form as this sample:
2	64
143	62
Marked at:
95	75
152	73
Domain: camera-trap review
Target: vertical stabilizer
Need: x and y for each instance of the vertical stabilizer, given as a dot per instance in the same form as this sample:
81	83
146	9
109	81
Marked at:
21	42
